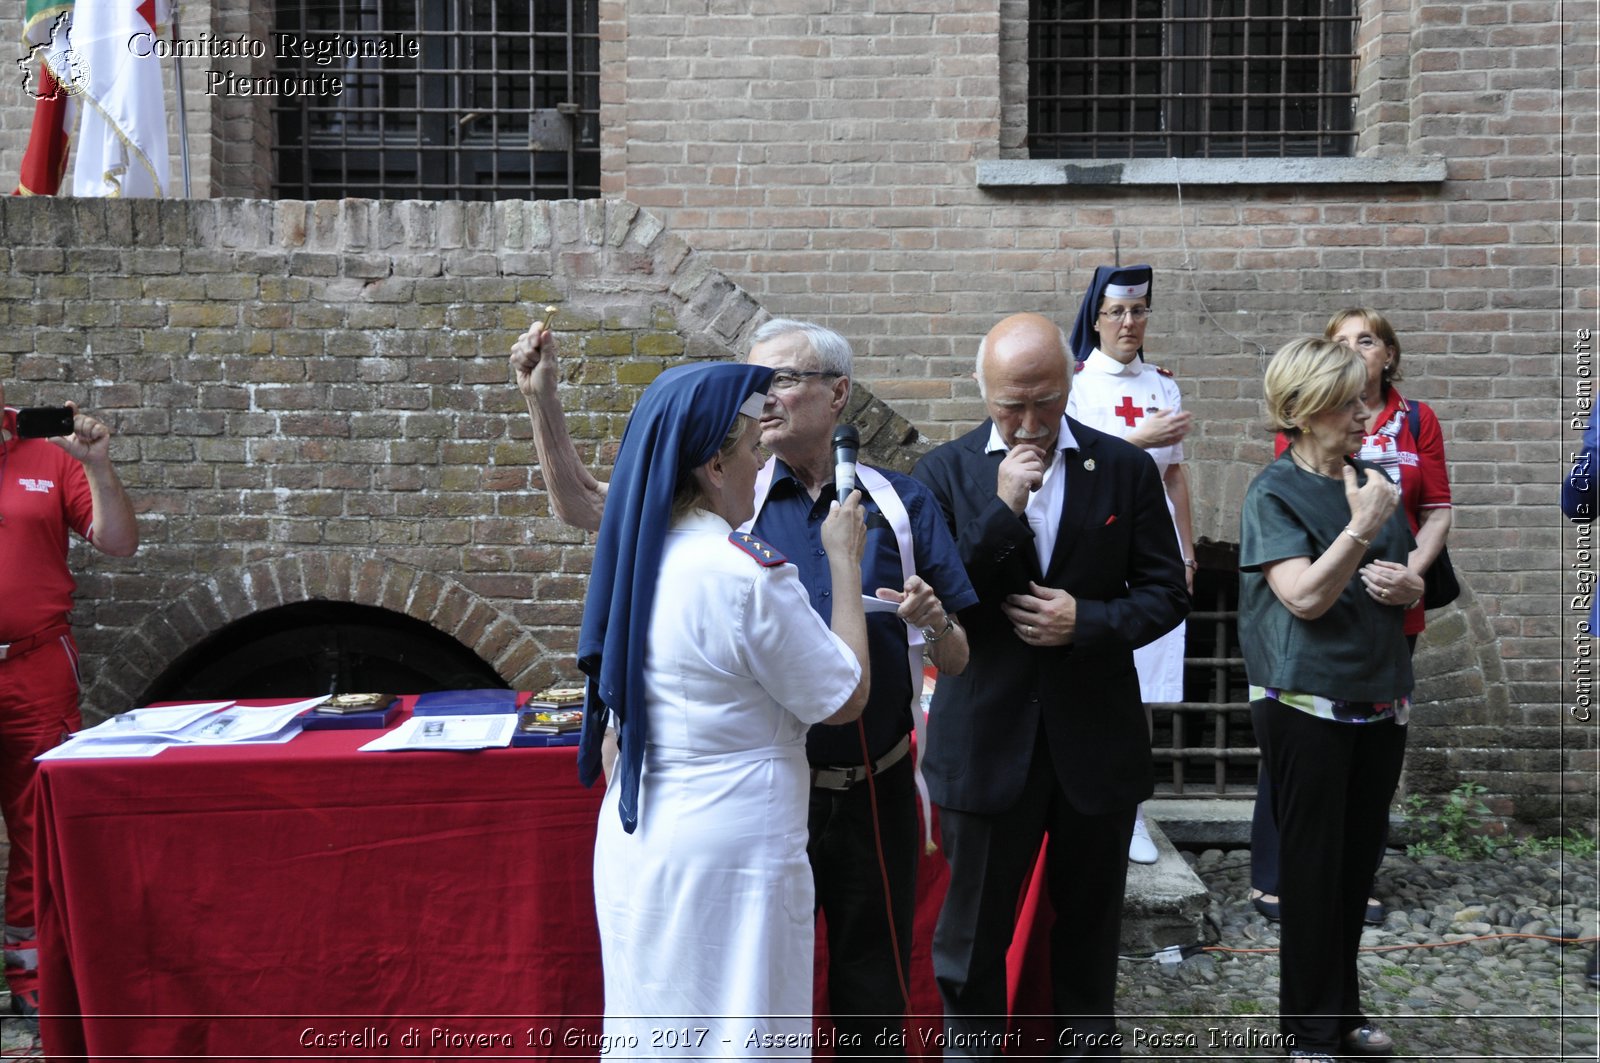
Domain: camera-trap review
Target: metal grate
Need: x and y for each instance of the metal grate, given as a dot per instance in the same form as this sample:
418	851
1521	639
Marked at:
1111	79
443	99
1205	744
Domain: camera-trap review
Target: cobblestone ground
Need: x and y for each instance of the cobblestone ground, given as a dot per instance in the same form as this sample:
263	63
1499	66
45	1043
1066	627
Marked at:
1475	960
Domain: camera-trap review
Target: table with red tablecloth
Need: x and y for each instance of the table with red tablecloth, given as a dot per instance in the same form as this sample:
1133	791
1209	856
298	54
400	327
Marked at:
309	901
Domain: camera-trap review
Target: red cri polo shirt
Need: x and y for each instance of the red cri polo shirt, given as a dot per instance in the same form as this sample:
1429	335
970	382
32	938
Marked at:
43	492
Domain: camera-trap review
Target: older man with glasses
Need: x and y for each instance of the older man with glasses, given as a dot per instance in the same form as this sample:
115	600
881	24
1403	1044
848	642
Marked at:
864	837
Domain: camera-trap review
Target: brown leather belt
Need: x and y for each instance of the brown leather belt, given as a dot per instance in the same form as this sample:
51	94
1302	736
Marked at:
844	778
10	651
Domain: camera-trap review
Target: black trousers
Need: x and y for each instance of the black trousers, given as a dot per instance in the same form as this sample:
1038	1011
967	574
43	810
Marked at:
990	856
1332	783
1264	828
863	985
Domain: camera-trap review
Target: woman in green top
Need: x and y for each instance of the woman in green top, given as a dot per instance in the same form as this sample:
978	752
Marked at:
1322	599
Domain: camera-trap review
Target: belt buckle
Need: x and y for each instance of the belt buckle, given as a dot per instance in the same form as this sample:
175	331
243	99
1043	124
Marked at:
834	778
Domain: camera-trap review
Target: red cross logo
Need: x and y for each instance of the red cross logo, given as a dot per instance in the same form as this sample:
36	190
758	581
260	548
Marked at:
1128	411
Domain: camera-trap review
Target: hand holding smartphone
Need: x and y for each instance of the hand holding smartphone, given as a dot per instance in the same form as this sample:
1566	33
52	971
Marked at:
43	422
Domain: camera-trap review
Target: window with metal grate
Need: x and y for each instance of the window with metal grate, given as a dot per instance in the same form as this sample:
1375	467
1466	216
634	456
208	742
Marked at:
1205	745
1123	79
439	99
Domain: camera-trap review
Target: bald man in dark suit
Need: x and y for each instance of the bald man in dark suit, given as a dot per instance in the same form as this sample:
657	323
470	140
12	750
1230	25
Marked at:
1065	534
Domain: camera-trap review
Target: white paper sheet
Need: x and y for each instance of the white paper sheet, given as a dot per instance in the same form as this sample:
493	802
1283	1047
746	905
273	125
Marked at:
246	723
73	749
141	723
448	732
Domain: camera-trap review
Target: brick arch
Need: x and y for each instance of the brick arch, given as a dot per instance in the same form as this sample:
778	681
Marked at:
211	603
341	371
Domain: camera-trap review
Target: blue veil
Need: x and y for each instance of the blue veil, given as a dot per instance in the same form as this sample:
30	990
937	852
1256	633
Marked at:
1085	333
679	425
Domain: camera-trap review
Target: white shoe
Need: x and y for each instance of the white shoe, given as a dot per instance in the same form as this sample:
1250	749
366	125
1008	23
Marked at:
1141	850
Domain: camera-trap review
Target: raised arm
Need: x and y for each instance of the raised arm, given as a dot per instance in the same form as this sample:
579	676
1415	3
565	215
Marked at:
114	529
576	497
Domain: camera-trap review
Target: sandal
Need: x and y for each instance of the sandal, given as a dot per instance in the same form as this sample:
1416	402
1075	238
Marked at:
1368	1040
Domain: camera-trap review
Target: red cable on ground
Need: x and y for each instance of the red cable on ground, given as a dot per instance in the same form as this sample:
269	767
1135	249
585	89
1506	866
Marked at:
883	867
1420	944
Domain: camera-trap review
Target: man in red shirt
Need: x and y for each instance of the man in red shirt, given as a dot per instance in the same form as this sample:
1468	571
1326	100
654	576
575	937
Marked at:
46	487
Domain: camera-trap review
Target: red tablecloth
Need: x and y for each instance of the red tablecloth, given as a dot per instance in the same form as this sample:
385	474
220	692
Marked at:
307	901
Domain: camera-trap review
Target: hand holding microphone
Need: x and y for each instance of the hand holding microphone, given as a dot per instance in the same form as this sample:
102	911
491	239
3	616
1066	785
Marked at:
846	444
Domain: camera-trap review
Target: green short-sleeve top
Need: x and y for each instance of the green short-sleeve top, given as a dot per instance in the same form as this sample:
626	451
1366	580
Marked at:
1356	651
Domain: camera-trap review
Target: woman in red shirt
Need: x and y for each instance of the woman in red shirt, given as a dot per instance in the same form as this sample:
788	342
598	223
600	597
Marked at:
1410	449
1403	438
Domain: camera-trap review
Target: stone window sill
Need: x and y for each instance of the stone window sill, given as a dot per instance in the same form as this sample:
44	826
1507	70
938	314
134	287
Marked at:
1392	169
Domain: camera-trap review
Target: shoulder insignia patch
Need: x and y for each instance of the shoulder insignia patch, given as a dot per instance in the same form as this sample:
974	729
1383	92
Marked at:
1163	372
764	555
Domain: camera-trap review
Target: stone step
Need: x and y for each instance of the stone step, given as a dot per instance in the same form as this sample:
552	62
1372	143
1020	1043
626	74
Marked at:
1164	903
1224	823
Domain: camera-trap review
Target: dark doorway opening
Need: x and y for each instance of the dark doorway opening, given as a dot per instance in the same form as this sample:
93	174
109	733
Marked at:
322	647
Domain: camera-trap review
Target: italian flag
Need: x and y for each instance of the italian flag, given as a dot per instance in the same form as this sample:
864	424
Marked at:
121	144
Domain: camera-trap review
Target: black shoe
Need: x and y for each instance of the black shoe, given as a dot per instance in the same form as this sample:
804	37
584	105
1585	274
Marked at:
1264	906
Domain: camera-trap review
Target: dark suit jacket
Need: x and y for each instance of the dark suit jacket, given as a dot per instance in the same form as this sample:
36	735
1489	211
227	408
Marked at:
1117	554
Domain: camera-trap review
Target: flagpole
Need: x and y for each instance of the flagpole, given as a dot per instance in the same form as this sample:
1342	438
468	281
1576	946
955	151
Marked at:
183	110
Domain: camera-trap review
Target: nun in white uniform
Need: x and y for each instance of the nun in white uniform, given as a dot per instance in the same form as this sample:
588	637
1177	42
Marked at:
1116	391
704	653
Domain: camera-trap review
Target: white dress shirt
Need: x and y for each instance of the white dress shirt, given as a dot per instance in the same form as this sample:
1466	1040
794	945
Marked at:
1044	505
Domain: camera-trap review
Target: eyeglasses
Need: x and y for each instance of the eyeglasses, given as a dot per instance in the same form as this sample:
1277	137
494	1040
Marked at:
1138	313
789	379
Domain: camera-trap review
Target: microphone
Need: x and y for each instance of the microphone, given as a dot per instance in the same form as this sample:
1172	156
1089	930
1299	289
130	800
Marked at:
846	441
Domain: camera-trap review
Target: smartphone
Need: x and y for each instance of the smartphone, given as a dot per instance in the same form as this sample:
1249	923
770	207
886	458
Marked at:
39	422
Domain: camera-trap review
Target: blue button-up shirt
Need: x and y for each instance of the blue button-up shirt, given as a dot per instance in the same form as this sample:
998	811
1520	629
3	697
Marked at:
791	521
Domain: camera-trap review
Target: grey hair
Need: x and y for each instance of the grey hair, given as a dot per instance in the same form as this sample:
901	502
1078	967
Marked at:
831	349
983	348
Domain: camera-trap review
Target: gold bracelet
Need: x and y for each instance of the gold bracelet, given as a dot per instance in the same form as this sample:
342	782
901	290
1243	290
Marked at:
1367	543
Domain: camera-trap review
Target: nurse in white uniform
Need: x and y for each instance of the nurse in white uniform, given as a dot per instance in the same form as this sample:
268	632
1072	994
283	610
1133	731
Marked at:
1116	391
704	653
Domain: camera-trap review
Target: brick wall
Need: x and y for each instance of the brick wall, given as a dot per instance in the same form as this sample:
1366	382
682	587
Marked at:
822	157
311	401
204	112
